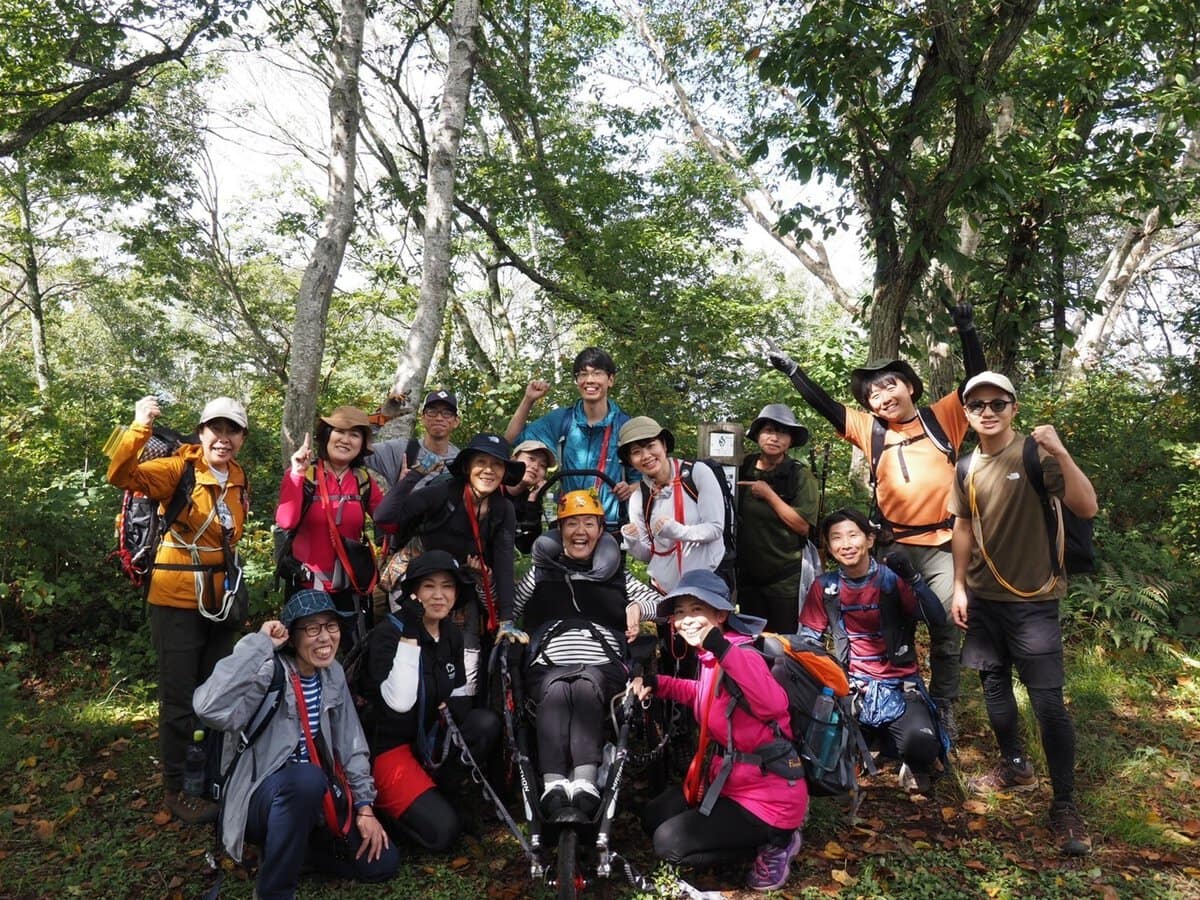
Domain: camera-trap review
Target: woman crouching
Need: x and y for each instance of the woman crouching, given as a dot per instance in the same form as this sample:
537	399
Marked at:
275	798
736	805
415	667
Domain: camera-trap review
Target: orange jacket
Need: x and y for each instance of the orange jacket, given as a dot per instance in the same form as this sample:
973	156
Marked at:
157	479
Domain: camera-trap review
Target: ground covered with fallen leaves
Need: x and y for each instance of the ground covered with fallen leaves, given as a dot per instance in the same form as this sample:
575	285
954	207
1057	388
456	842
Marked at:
81	812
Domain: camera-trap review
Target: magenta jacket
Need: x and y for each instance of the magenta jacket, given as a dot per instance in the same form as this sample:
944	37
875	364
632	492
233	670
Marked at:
769	797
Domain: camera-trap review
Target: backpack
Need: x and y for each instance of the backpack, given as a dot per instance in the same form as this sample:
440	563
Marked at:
142	522
288	569
802	668
932	430
219	776
727	568
1079	551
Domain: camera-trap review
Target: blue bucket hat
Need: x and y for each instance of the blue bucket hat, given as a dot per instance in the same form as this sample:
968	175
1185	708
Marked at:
709	587
309	602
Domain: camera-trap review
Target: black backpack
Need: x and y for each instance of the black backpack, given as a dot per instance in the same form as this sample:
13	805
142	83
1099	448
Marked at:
931	430
142	522
727	568
1079	551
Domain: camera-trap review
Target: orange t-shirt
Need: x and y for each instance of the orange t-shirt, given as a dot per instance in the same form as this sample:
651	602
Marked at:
914	480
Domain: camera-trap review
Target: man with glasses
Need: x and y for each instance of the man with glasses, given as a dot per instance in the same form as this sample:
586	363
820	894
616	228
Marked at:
419	461
583	435
913	450
1007	588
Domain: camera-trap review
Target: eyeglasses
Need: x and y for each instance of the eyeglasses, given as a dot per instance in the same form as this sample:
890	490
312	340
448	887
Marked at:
975	407
583	374
314	629
440	412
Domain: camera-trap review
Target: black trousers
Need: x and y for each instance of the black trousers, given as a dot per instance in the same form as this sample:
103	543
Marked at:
571	709
682	836
188	646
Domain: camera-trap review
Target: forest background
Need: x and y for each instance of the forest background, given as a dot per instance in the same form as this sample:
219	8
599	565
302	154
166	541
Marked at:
304	205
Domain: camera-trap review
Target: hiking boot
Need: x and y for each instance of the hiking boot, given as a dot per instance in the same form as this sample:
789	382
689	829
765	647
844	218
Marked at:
555	797
585	796
191	810
1069	829
1007	775
945	711
773	866
913	782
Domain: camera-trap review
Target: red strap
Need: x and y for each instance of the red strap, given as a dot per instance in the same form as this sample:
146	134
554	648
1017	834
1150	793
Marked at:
335	536
603	467
489	598
331	817
693	782
677	546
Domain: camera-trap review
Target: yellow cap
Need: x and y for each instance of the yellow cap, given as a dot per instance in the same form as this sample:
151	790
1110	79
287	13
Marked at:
579	503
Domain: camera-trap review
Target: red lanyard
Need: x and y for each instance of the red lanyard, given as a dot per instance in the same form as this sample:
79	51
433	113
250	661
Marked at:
603	465
693	784
331	817
677	546
335	536
488	598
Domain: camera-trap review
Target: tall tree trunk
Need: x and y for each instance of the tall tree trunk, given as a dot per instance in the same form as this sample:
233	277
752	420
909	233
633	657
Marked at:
316	287
32	293
413	366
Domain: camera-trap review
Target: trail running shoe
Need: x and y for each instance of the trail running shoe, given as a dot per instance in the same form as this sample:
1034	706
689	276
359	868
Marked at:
556	797
913	782
1069	829
1007	775
773	866
585	796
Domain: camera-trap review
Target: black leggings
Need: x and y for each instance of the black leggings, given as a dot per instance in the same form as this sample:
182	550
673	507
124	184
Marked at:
682	836
1058	732
571	703
911	738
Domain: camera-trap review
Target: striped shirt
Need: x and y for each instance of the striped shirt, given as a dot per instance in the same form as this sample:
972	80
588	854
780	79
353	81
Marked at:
311	685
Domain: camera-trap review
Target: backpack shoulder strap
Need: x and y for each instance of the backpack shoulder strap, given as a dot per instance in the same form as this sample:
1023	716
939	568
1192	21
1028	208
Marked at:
181	498
1050	507
687	478
935	433
364	488
878	436
411	450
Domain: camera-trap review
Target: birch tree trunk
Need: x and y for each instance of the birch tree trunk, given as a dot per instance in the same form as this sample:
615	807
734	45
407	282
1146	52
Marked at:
32	293
413	366
316	287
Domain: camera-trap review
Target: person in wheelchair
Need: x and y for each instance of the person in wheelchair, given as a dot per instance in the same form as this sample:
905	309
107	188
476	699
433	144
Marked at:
580	622
415	667
731	804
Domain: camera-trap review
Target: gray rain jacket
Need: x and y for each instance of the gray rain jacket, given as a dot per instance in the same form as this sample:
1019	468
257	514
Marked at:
228	701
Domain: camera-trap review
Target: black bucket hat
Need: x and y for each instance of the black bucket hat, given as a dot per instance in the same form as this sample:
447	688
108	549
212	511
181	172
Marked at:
494	446
782	415
864	374
432	561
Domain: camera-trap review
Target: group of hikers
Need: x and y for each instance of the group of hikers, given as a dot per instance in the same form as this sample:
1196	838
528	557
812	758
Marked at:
963	546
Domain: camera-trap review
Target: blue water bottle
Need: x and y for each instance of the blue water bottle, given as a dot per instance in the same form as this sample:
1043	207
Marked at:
822	736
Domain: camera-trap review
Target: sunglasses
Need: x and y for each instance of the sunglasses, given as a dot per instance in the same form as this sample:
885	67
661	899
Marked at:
975	407
314	629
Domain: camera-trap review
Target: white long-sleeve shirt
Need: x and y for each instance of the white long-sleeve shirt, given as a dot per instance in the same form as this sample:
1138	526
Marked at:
695	543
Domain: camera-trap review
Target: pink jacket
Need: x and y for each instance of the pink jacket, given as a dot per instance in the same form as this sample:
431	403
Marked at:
312	545
769	797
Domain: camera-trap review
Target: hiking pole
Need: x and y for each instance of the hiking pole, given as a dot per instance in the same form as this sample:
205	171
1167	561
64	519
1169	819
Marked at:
479	778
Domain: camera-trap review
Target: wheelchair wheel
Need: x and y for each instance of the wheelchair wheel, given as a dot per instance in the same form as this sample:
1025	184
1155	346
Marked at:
568	864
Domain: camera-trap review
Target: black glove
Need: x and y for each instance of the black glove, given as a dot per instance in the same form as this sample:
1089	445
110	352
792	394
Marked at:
411	614
898	562
964	317
782	362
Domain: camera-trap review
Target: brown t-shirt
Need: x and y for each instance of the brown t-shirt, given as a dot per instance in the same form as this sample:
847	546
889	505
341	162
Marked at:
1006	518
914	479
